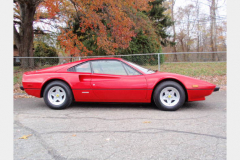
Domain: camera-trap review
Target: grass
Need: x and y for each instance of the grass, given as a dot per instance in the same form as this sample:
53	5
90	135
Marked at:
213	72
17	78
18	72
193	69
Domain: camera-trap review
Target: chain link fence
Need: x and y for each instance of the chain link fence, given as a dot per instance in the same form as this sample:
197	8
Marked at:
148	60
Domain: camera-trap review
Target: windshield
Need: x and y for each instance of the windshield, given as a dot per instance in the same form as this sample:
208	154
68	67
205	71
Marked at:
144	70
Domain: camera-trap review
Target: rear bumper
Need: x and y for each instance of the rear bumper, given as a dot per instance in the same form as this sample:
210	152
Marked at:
216	89
32	92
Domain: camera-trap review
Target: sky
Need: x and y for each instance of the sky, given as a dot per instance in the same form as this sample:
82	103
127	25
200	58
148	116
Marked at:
222	3
222	11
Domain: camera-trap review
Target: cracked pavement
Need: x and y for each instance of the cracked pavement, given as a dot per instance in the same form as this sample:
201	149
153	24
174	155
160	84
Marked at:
89	131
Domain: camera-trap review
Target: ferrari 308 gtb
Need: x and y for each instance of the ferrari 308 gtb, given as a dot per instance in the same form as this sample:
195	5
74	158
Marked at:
113	80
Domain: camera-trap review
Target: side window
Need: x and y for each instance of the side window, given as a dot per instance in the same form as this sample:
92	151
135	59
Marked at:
108	67
84	67
130	70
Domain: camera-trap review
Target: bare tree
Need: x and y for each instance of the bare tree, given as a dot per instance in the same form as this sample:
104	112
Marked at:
198	30
198	26
186	25
174	30
213	8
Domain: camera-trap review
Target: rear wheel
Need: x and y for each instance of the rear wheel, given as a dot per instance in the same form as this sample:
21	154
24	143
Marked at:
169	96
57	95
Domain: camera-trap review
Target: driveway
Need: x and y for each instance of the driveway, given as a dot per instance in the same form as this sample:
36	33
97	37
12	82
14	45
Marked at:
120	131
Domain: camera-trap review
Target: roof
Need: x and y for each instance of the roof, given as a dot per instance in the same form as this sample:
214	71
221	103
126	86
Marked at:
100	58
88	59
103	58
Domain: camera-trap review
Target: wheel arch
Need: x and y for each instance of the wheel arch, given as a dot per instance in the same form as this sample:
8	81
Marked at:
170	79
51	80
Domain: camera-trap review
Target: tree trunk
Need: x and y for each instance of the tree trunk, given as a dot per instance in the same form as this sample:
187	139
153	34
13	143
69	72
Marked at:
174	33
213	30
198	32
182	45
24	38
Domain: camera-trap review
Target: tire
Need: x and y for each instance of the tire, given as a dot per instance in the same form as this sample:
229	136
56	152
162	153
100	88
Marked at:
57	95
169	96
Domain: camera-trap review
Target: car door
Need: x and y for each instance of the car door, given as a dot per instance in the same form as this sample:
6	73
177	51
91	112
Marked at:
111	82
81	82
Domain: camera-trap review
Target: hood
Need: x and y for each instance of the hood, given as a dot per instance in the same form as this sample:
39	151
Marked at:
187	81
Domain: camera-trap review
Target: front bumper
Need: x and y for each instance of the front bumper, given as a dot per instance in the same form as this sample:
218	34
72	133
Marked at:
216	89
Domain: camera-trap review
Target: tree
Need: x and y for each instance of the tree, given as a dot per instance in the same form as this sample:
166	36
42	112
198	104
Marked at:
186	23
91	14
149	33
213	8
24	38
109	21
198	29
142	43
174	30
42	49
161	21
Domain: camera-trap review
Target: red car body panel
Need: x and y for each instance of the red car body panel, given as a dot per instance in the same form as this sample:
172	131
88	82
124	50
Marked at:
93	87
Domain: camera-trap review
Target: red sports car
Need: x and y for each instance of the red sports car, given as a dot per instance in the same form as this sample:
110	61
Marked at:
113	80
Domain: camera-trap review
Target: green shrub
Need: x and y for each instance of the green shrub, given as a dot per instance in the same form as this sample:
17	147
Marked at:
44	50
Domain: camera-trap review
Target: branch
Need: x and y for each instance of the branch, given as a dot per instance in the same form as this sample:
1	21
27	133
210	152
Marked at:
54	26
37	31
75	7
37	2
34	3
18	1
17	39
16	16
44	16
23	2
17	22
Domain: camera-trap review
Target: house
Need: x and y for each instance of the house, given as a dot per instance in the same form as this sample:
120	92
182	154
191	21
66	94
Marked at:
16	59
16	56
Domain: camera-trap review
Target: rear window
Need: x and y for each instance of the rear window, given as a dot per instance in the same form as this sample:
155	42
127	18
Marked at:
83	67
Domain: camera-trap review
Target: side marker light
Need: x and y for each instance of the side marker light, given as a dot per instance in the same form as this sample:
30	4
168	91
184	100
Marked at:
195	86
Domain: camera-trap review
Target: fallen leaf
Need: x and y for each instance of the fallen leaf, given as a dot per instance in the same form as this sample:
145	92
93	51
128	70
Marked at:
25	136
146	122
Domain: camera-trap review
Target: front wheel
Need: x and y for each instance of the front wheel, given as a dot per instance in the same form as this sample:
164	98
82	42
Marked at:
57	95
169	96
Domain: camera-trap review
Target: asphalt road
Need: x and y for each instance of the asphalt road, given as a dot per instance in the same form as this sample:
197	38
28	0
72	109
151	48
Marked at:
120	131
